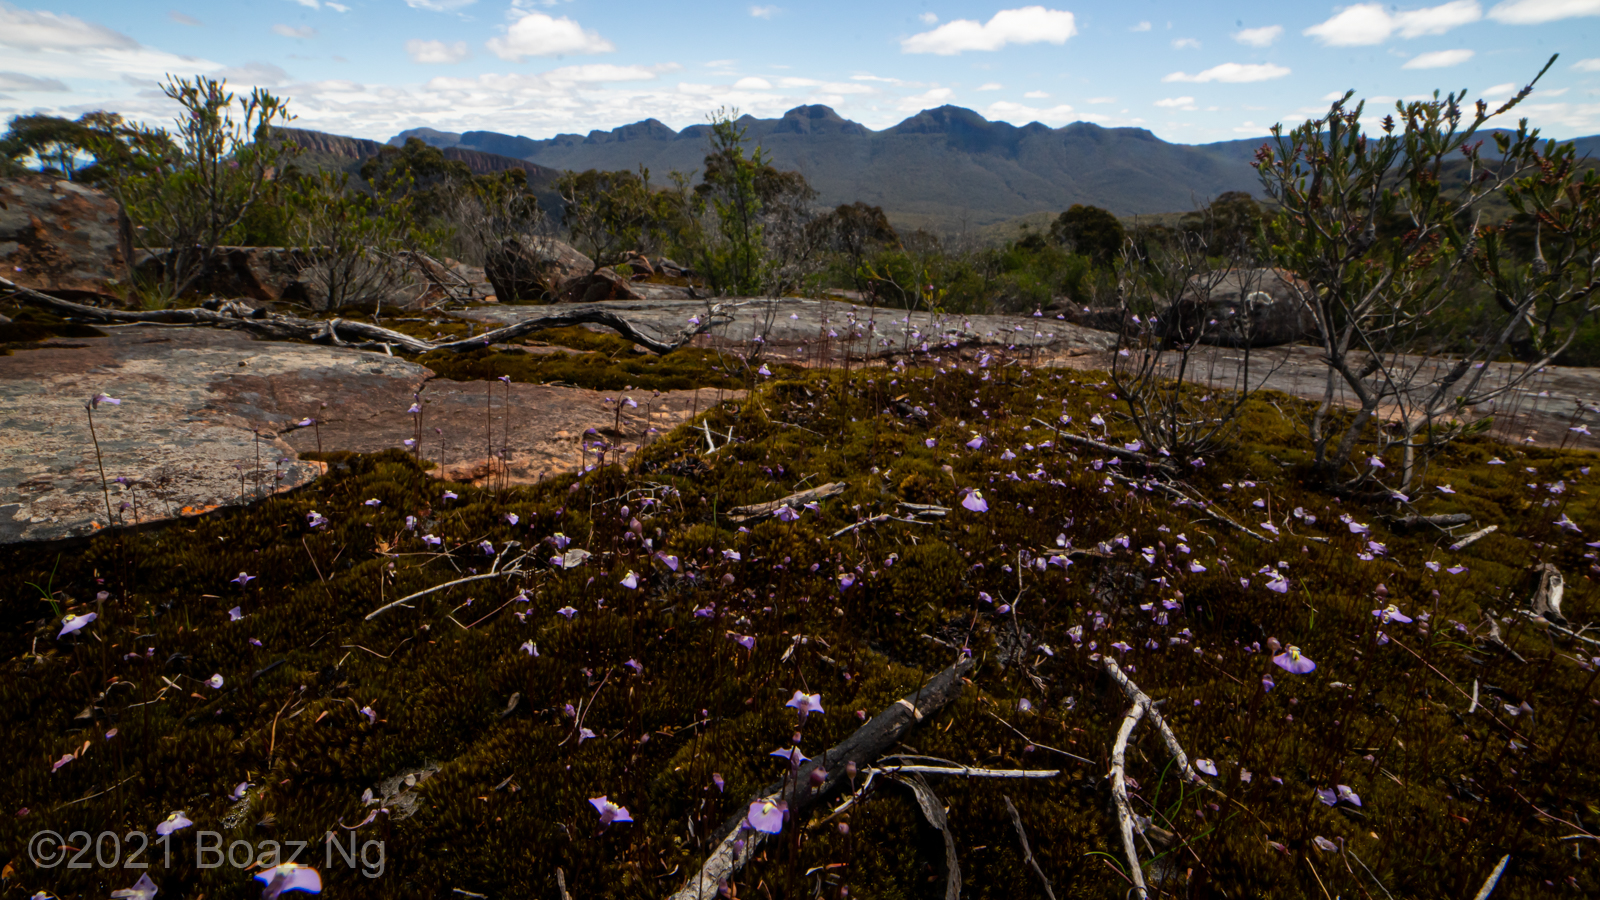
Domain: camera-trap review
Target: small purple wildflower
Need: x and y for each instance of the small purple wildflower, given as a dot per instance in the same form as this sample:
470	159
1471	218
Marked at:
609	812
1291	660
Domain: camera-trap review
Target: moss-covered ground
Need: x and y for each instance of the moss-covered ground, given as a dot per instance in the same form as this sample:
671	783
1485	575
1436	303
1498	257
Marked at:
493	686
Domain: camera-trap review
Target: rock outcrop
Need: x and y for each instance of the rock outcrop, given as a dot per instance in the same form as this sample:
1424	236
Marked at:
70	240
534	270
1242	308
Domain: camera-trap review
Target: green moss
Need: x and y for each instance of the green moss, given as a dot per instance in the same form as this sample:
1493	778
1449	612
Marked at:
1444	793
609	370
30	326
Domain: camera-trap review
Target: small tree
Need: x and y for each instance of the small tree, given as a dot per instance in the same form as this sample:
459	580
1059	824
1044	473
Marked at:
349	239
733	260
186	190
1389	232
607	213
1089	230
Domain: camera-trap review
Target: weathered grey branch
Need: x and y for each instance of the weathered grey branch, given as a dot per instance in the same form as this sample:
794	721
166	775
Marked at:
1140	697
809	495
1547	599
1027	850
739	844
336	331
1119	793
1414	522
1109	450
1494	879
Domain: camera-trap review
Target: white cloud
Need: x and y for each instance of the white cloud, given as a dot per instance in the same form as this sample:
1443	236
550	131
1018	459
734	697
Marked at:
295	31
764	12
1142	26
1500	91
1259	37
1534	12
1438	59
54	31
437	5
1177	103
1369	23
926	100
429	52
310	4
1232	73
1101	100
929	18
1587	65
16	81
1181	43
593	73
1027	25
536	34
255	74
1021	114
1037	95
991	86
182	19
752	83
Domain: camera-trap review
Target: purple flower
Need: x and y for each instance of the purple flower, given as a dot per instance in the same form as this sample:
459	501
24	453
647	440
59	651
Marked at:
584	734
235	614
1391	613
746	641
630	581
176	821
370	713
98	399
529	648
765	816
316	520
1278	584
1347	795
1456	570
1267	684
764	370
1206	766
670	562
1195	567
450	495
786	514
71	623
609	812
239	789
846	580
567	611
974	501
431	541
511	518
486	547
286	877
373	502
635	665
1566	522
65	758
792	755
306	422
976	443
805	703
143	889
215	682
716	779
1290	660
930	443
1327	796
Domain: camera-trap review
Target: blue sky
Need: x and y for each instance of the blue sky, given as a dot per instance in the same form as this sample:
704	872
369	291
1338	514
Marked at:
1190	72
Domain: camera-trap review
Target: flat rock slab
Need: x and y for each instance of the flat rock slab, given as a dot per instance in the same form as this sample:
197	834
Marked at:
208	420
802	329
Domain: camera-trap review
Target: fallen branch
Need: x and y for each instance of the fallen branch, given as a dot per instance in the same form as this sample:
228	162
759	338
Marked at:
933	811
1414	522
739	843
1474	537
1027	851
881	517
1546	601
1108	449
1171	740
968	771
1119	793
1494	879
801	498
515	568
341	331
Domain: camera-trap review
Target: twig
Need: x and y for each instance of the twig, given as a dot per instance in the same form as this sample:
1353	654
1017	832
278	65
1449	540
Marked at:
881	517
801	498
1032	742
120	784
1109	450
374	652
969	771
1170	739
515	568
1027	851
1119	793
739	844
1472	538
1494	879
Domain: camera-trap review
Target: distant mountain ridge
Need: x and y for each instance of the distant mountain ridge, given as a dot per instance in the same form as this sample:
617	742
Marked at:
947	168
480	162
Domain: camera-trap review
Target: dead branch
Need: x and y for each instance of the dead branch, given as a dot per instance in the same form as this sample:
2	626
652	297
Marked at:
274	326
1473	538
809	495
881	517
933	811
1119	793
1547	599
514	568
1027	851
739	843
1171	740
967	771
1494	879
1101	447
1415	522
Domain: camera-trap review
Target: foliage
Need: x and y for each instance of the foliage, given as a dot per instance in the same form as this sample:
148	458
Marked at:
1090	231
188	189
607	214
351	242
1375	293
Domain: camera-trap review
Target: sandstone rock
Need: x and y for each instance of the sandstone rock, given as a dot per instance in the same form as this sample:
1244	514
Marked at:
533	269
63	238
264	274
1242	308
640	264
598	286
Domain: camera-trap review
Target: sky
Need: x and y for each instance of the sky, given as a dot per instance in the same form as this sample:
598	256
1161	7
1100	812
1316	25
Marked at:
1190	72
